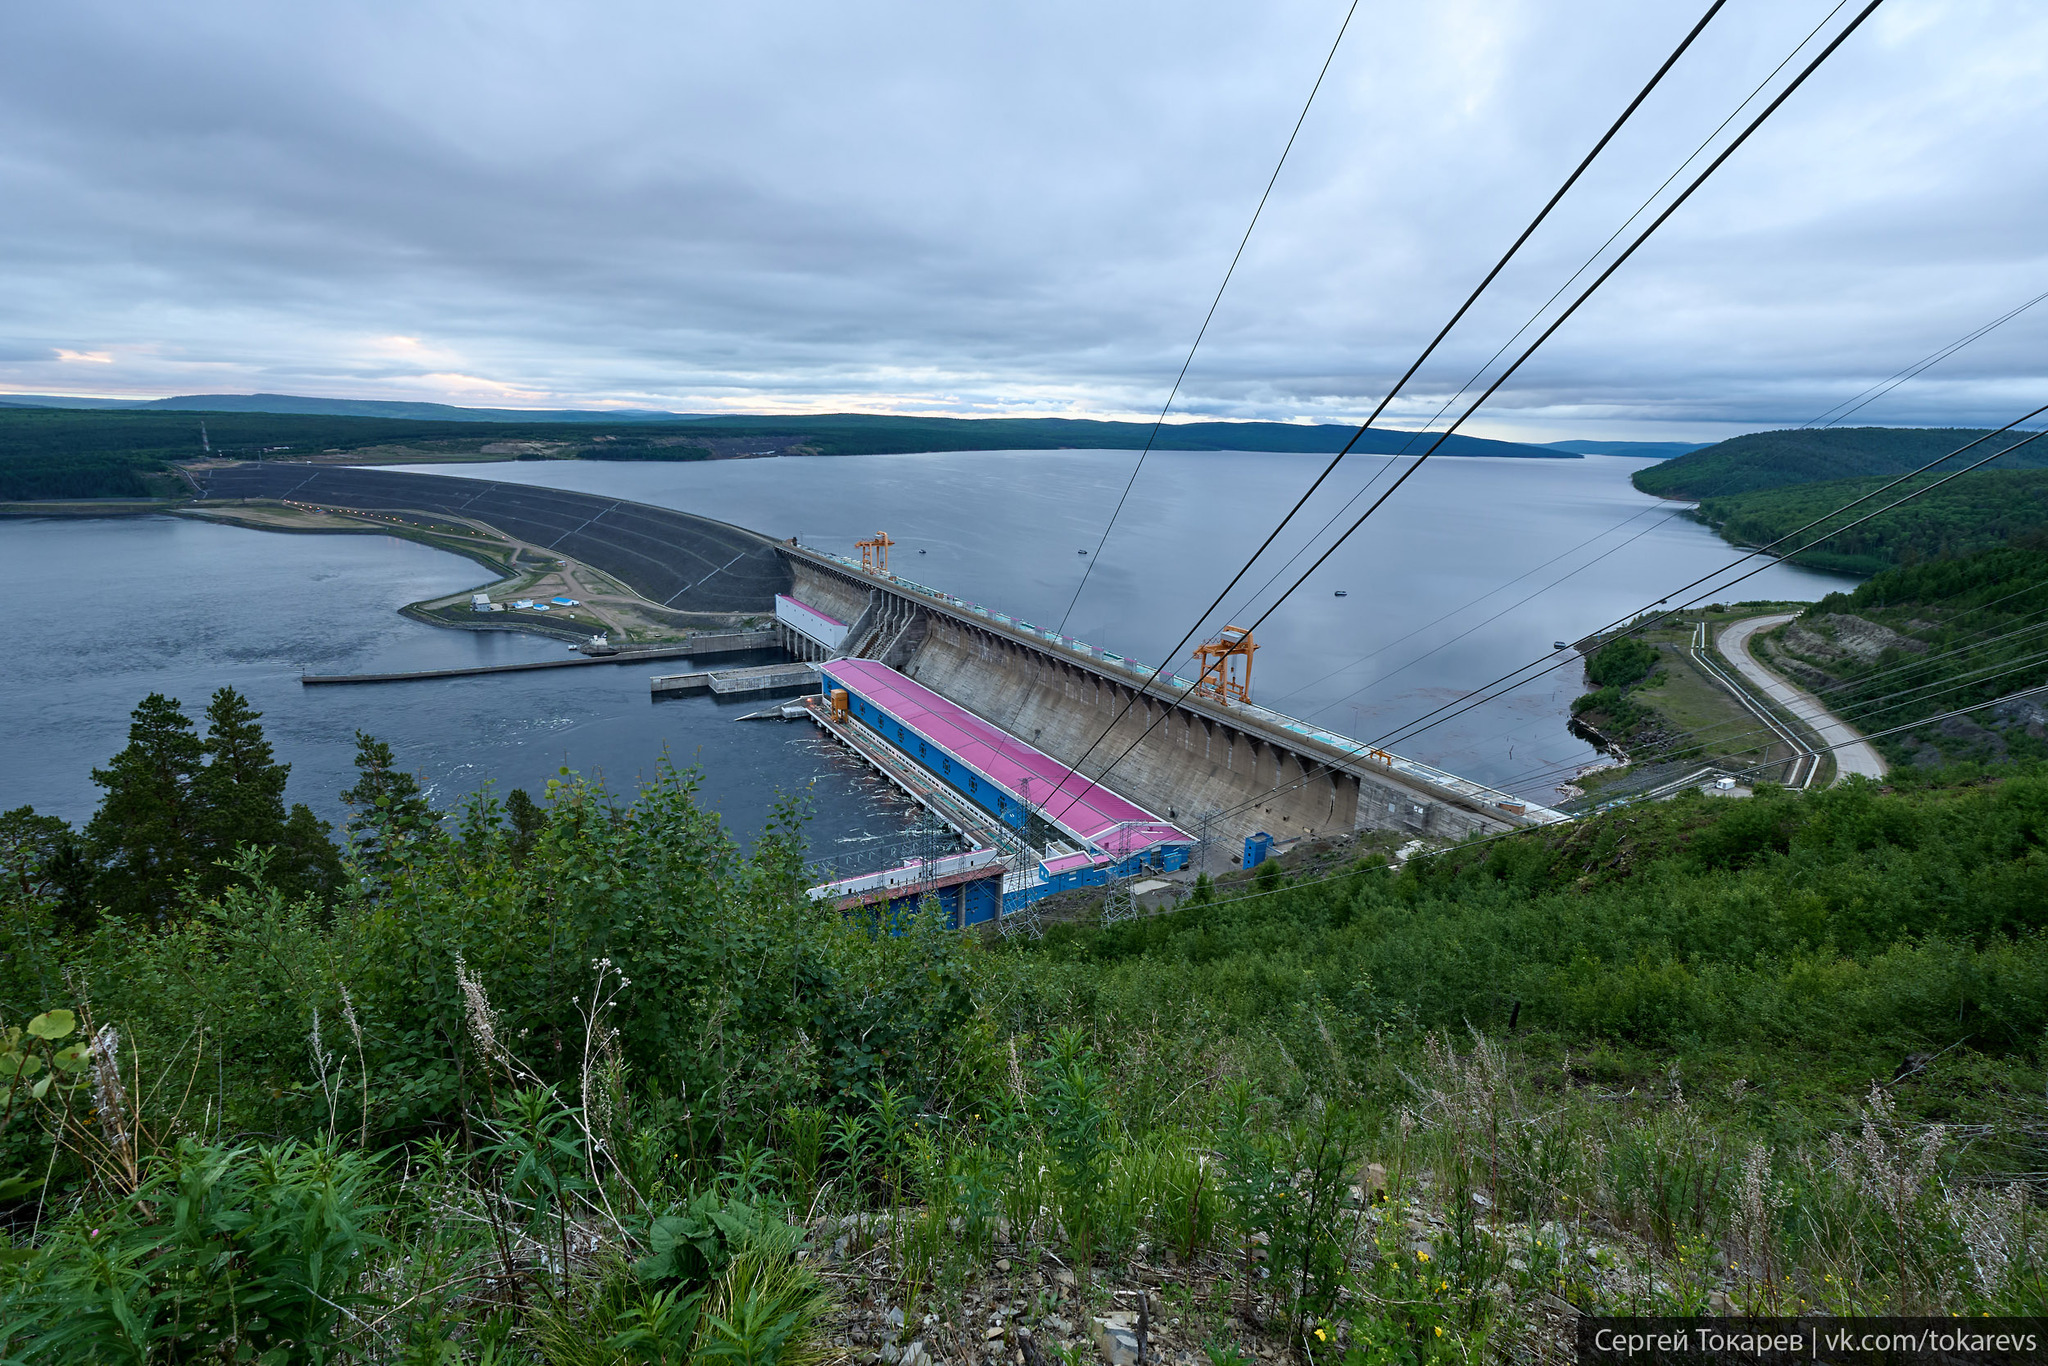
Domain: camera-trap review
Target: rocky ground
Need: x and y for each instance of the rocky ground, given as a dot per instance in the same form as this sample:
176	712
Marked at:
1025	1307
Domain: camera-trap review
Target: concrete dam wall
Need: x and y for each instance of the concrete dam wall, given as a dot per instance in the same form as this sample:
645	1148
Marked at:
1201	756
684	562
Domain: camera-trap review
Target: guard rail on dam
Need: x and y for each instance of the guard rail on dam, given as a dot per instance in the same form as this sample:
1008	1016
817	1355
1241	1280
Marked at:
1272	772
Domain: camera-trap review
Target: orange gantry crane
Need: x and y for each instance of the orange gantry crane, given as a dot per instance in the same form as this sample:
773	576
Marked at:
874	554
1225	665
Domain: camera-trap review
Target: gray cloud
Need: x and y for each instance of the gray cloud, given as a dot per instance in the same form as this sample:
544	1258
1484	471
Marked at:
973	210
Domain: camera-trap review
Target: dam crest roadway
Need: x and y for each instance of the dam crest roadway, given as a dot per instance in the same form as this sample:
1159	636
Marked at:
1269	771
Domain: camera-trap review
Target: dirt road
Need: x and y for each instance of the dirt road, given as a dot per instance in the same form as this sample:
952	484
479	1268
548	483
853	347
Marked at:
1853	754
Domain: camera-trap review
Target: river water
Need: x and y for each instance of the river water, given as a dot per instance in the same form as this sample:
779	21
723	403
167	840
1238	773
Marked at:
105	611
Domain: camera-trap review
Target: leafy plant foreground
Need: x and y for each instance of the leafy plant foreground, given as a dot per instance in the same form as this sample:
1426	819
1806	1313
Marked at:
587	1085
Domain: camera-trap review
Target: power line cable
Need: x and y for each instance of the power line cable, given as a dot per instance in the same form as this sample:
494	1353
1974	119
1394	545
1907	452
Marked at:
1940	687
1484	840
1885	386
1641	209
1869	395
1640	618
1543	308
1853	711
1414	728
1936	688
1547	333
1901	377
2005	631
1207	318
1427	351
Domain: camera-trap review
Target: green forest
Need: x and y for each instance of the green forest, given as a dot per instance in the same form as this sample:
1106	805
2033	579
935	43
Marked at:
99	453
576	1080
1971	513
1774	460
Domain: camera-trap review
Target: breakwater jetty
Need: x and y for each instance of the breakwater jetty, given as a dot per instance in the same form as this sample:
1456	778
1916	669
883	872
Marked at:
728	642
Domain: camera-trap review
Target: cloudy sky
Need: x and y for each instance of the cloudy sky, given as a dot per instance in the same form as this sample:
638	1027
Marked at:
978	209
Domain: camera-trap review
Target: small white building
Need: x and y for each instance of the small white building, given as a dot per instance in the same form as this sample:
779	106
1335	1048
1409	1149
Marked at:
479	602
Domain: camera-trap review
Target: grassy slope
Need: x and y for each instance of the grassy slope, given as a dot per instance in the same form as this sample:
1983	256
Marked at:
1683	988
1813	939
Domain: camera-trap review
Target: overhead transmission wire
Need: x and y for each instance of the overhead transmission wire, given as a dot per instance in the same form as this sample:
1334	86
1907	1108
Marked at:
1886	385
1427	352
1868	396
1209	317
1531	350
1993	669
1639	620
1484	840
1718	732
1544	307
1465	703
1853	711
1899	378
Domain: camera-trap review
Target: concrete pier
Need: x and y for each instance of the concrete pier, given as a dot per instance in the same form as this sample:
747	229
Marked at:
763	678
729	642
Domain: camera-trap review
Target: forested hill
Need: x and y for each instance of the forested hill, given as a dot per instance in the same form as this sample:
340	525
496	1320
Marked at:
1968	514
1769	460
97	453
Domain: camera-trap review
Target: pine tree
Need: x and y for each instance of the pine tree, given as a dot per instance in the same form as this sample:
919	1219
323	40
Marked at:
308	860
389	809
240	792
145	833
527	819
29	845
241	800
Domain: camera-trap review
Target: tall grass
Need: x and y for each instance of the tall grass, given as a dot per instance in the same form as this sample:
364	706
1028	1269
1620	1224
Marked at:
627	1098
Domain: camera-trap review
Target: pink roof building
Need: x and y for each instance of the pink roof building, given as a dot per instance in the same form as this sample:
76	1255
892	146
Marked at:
1086	811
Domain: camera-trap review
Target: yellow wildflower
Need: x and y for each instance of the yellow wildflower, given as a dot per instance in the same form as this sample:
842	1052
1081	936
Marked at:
1321	1336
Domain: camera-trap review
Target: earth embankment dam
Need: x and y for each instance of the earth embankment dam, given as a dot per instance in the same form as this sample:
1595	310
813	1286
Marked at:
683	562
1187	755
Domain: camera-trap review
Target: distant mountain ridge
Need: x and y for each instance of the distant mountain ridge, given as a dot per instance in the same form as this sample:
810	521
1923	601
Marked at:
1772	460
347	407
833	433
1649	450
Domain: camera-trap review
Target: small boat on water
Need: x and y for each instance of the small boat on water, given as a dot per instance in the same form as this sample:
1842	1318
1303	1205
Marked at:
1080	552
1343	593
1560	645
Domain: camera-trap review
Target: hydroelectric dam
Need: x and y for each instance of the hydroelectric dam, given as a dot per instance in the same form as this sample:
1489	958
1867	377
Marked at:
939	693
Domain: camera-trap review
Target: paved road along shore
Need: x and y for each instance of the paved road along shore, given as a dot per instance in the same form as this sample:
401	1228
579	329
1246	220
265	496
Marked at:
1853	753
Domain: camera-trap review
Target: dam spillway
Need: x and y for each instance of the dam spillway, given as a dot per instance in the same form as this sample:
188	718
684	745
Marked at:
1181	756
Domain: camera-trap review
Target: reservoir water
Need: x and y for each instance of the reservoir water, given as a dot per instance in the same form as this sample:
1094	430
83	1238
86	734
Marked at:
105	611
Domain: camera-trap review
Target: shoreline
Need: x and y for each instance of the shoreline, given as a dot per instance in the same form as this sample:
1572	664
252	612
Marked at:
603	605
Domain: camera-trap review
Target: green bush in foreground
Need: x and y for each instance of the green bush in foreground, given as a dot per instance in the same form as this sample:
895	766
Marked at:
595	1086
